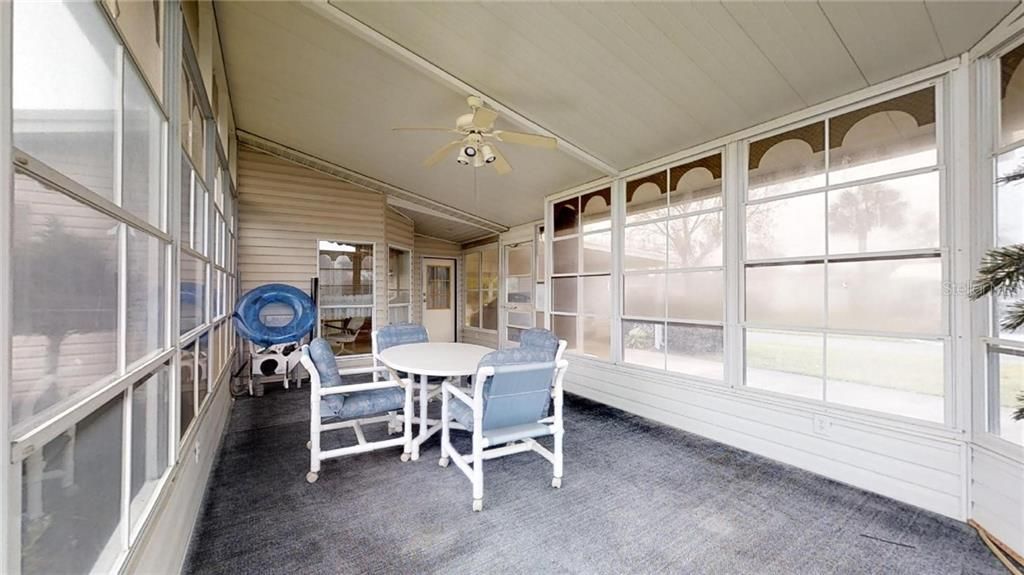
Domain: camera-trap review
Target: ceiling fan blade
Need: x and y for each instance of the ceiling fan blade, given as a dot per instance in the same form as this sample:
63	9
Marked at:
440	153
500	164
483	118
526	139
425	130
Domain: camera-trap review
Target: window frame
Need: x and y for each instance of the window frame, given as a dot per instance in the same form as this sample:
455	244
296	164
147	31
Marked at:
479	252
408	251
372	306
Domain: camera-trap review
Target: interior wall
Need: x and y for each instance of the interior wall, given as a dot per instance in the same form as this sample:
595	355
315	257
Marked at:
284	208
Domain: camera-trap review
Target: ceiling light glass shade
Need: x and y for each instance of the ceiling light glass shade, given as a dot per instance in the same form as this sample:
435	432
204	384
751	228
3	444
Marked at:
462	159
469	151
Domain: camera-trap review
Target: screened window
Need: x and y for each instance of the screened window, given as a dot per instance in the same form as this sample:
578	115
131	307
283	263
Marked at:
843	270
673	272
581	266
481	288
400	285
345	297
1005	347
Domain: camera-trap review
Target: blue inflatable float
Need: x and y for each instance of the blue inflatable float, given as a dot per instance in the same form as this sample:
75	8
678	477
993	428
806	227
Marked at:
247	315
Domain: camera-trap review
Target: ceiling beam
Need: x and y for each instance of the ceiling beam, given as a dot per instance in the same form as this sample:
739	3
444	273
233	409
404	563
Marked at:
350	23
366	182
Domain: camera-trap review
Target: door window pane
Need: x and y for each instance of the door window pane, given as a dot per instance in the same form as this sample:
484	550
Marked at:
900	214
645	247
64	89
519	259
597	298
489	269
695	241
597	253
472	262
897	376
884	138
565	256
473	308
644	295
519	289
791	295
695	350
787	162
900	296
643	343
65	273
696	295
143	149
786	228
439	287
71	498
596	337
150	437
193	292
563	294
785	362
489	309
145	288
564	326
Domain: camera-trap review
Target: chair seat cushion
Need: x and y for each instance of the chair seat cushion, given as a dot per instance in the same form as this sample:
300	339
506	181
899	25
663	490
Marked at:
363	403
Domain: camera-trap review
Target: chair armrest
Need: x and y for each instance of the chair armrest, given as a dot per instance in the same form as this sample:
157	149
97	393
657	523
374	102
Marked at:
459	394
362	370
352	388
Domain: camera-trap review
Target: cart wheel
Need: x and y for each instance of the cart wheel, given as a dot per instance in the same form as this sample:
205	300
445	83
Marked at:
406	456
478	505
556	482
309	445
443	462
415	456
312	476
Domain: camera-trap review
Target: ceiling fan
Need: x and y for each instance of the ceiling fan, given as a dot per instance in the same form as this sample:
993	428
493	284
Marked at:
477	130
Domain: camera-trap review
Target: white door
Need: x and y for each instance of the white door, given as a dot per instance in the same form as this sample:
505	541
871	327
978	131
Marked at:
517	307
439	298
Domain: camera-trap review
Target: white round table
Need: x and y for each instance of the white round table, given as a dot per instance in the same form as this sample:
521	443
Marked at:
432	360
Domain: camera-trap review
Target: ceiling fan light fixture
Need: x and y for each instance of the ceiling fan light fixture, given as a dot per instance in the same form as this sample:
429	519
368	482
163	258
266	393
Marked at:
462	159
469	151
488	153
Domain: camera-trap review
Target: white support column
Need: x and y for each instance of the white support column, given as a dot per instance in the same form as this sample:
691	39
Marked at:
734	174
10	473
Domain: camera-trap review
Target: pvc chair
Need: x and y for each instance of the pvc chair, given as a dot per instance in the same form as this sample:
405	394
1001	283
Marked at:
401	334
507	412
337	405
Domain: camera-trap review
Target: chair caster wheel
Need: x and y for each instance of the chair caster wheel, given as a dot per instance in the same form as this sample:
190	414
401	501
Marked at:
556	482
311	477
415	456
478	505
309	445
406	456
443	462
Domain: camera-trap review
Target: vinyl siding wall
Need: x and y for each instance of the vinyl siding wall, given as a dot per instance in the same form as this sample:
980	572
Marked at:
285	208
997	496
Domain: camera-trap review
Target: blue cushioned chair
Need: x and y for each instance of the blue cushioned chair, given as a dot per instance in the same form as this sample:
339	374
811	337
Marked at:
507	412
337	404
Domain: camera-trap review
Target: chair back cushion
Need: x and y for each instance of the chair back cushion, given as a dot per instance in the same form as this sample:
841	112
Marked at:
539	338
400	334
323	358
520	390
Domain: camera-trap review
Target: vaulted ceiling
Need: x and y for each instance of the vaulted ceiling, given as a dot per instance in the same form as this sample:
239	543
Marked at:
625	82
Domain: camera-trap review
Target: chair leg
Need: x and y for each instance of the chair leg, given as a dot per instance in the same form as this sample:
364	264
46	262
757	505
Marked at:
478	470
445	429
407	422
556	481
423	416
314	444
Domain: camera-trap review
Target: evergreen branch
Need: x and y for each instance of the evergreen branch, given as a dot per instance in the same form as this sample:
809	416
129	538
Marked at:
1013	176
1018	414
1014	317
1002	269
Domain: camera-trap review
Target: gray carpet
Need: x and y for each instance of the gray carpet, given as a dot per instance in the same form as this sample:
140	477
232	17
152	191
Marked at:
637	497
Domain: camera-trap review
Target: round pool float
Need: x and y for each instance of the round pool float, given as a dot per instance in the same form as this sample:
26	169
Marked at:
247	315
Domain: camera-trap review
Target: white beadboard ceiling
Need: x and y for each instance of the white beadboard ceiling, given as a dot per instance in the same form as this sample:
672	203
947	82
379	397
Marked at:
626	82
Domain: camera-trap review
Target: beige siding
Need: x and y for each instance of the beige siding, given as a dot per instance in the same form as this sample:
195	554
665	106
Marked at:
399	230
285	208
